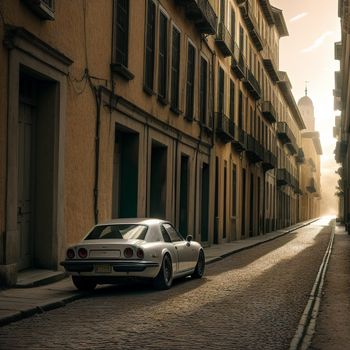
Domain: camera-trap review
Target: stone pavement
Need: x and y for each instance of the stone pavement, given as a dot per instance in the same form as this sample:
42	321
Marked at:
18	303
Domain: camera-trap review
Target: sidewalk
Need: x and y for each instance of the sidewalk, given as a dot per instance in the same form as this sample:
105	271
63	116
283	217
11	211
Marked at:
18	303
333	319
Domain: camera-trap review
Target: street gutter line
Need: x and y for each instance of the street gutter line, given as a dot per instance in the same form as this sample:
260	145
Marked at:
307	323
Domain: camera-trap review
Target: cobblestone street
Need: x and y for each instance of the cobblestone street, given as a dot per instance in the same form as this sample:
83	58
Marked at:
250	300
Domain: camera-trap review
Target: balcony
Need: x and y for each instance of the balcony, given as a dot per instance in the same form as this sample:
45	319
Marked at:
208	124
270	64
269	112
267	10
311	185
252	85
203	15
338	48
284	133
224	127
338	79
239	142
283	177
238	64
254	152
340	150
300	157
224	40
292	147
269	161
252	25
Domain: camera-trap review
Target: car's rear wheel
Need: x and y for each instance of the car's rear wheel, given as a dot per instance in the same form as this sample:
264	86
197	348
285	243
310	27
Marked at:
200	267
164	279
84	283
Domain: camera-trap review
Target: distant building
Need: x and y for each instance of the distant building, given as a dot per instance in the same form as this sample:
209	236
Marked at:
310	167
118	108
342	104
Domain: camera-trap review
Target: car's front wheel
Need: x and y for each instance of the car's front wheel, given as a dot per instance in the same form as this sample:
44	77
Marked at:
84	283
164	279
200	267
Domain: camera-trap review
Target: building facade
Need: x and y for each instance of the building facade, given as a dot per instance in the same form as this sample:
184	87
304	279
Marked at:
161	108
310	166
341	105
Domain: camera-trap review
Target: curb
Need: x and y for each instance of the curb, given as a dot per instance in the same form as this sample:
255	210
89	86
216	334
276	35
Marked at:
212	260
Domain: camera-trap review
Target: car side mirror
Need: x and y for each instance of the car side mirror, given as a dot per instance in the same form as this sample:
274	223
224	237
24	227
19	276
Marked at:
189	238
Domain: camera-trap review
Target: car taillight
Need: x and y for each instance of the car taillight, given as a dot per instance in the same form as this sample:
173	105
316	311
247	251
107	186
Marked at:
82	252
128	252
70	254
140	253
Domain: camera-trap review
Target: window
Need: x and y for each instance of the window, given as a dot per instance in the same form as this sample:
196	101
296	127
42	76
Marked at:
175	70
174	235
191	56
221	88
121	43
203	91
234	190
150	45
122	32
163	57
232	100
233	24
240	110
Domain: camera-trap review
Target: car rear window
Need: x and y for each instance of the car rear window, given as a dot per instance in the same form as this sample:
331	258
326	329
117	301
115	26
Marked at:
124	231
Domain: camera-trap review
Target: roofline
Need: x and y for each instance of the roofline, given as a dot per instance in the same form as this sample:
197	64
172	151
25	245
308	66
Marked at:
285	87
280	21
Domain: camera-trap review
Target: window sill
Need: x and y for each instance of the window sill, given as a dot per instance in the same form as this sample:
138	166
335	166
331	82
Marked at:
41	9
163	100
148	90
175	110
189	118
121	70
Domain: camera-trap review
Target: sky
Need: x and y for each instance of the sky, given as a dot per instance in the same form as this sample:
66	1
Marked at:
307	54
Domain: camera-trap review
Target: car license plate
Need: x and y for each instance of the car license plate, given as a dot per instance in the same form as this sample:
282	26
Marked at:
103	268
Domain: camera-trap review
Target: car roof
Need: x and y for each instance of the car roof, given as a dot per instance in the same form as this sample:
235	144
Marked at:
140	221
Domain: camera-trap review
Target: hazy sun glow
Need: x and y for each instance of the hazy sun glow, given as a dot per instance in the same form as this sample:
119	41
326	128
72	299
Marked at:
308	55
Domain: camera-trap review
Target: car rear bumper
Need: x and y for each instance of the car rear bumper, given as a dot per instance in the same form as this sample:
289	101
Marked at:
117	266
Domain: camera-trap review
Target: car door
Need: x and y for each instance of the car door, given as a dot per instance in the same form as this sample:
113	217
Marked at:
182	247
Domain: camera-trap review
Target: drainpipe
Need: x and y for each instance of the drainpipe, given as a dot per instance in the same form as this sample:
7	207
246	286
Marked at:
97	94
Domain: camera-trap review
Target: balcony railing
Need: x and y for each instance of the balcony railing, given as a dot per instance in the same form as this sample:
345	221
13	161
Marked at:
255	151
252	85
224	40
338	48
283	177
269	161
203	15
311	185
224	127
340	150
252	25
269	111
292	147
270	64
239	141
284	133
338	80
267	10
300	157
238	64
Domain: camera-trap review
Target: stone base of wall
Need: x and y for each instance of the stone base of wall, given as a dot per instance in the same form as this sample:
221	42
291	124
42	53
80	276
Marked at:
8	275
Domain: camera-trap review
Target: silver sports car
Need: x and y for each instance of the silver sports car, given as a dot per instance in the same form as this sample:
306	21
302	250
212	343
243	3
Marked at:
145	248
